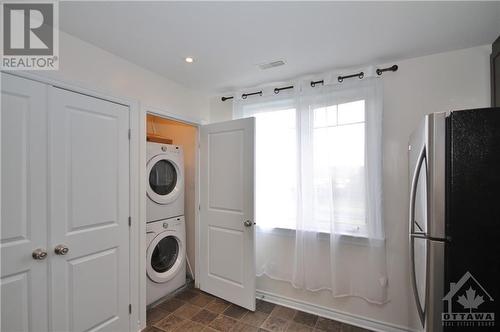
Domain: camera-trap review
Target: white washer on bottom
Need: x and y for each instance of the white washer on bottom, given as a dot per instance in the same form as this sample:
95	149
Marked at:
166	257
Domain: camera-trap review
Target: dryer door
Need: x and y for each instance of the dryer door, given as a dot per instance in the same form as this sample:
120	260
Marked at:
165	257
164	179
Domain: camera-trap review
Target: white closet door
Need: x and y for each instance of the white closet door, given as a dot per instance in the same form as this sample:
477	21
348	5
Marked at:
227	160
24	205
89	209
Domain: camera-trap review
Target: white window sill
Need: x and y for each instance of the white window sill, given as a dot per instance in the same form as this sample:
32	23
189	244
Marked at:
348	238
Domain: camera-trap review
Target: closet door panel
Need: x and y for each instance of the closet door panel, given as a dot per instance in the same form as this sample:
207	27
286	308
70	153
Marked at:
89	194
24	298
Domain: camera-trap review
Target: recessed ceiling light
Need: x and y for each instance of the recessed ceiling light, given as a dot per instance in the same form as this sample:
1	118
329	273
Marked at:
189	59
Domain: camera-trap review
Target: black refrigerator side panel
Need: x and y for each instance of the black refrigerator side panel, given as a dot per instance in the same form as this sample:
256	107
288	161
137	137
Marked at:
495	73
473	214
447	247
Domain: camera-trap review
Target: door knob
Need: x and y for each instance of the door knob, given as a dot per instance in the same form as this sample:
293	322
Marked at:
39	254
61	249
248	223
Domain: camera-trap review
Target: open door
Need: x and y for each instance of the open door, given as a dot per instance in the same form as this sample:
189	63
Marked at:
227	232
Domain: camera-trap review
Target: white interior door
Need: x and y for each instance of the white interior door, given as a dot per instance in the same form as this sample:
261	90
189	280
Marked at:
24	205
89	209
227	234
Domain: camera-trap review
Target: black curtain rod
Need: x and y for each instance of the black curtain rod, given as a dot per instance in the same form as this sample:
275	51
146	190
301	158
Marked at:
245	95
391	68
360	75
313	83
277	90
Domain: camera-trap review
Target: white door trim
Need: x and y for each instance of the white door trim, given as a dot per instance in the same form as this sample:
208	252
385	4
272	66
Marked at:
137	205
172	116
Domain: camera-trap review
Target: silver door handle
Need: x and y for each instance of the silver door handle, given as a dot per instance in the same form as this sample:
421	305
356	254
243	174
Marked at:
248	223
61	249
413	190
420	308
39	254
413	277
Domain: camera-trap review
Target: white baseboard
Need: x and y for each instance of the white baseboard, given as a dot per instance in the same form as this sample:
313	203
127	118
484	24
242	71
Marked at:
343	317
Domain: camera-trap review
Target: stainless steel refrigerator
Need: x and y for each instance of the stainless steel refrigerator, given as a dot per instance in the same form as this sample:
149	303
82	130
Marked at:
454	223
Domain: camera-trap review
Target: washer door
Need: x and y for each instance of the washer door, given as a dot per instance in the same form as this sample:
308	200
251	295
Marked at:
165	257
164	179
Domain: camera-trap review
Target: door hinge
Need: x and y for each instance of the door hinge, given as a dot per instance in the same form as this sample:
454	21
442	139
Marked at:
129	221
129	133
130	309
199	207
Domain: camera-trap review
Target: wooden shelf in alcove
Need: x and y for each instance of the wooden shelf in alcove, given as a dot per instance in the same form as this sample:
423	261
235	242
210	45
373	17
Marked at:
158	139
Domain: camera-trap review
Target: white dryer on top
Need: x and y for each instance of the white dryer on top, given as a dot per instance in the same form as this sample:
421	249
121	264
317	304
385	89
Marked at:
165	181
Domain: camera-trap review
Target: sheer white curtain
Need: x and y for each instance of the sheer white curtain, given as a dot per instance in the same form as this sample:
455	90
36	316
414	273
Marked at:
318	187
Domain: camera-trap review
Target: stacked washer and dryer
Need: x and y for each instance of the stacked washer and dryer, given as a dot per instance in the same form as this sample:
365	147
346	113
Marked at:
165	228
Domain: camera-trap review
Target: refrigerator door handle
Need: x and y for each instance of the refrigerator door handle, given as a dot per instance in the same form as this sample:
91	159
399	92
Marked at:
413	190
413	277
412	234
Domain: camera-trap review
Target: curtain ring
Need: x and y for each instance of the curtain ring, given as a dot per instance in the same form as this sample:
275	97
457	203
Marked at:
244	96
361	75
276	90
340	79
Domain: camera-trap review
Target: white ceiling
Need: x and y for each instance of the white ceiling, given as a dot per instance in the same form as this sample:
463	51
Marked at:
228	39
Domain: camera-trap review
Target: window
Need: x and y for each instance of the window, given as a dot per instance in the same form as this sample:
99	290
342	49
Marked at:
276	169
312	158
338	174
318	186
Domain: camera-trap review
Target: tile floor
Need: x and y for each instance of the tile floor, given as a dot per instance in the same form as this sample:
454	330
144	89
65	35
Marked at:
194	310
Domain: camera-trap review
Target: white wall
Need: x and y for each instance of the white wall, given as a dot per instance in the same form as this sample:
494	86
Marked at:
440	82
220	110
83	64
